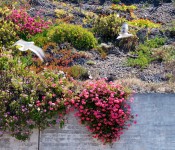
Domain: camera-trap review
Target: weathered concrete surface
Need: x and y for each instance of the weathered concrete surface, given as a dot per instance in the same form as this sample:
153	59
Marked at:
155	130
9	143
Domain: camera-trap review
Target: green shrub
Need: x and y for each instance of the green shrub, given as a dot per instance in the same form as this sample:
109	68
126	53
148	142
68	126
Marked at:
128	44
7	33
60	13
40	39
79	37
7	29
142	61
155	43
164	53
172	28
78	72
144	53
108	27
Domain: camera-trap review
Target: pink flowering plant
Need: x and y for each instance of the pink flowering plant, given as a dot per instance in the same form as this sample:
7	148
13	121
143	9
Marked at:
28	25
29	100
104	108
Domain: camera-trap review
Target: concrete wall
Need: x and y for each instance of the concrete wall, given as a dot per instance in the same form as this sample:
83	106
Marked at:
155	130
9	143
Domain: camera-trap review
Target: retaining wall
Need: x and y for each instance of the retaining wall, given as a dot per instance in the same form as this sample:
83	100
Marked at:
155	130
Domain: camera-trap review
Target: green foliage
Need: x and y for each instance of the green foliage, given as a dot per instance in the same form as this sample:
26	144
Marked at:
142	23
40	39
4	11
142	61
164	53
7	29
124	7
60	13
172	29
103	53
155	43
90	62
29	100
115	1
79	37
78	72
128	44
144	53
7	33
13	3
108	27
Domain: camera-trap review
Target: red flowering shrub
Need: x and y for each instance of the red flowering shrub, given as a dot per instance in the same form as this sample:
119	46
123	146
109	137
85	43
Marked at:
28	25
104	109
64	57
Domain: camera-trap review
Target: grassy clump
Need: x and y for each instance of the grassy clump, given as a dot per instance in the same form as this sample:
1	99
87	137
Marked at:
144	53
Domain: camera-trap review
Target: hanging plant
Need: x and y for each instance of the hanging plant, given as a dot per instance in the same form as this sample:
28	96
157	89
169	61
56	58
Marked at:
104	109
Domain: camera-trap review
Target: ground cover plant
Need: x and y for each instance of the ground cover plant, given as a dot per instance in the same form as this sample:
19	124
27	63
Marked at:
144	53
123	7
144	23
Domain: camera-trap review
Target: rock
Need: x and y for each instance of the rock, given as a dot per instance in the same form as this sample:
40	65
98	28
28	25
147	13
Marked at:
142	35
155	33
161	14
105	46
161	89
111	77
152	77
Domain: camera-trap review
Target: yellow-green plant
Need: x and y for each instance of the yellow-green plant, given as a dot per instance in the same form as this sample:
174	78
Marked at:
4	11
79	37
13	3
40	39
108	27
123	7
7	28
144	23
78	72
7	33
60	13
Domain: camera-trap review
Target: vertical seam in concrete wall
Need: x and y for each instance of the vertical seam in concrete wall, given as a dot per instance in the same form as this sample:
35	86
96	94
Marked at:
39	139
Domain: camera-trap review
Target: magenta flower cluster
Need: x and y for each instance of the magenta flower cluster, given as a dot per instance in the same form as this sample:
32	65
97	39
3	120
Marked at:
105	110
27	24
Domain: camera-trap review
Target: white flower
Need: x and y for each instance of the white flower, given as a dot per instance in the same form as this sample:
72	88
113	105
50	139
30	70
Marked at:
30	105
53	104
